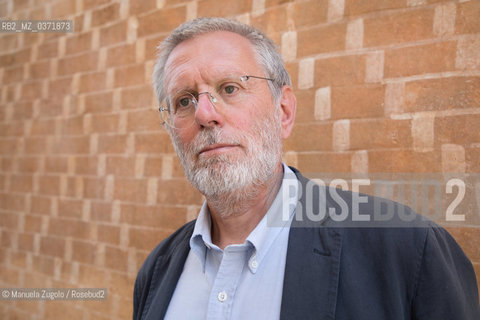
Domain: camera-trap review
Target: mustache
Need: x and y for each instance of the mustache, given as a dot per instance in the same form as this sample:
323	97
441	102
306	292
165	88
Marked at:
209	137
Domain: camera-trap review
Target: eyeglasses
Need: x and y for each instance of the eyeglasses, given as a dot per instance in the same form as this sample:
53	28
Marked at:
178	110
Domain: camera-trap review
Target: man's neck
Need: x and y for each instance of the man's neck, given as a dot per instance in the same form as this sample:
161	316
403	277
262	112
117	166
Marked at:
234	217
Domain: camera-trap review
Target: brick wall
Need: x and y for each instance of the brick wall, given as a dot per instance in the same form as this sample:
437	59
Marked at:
89	181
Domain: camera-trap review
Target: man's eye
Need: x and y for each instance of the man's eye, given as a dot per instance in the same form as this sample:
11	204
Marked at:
230	89
184	102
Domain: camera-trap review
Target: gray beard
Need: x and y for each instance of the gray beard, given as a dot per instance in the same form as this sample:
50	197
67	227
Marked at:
226	180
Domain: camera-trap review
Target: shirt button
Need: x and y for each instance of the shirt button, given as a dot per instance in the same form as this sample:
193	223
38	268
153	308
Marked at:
254	264
222	296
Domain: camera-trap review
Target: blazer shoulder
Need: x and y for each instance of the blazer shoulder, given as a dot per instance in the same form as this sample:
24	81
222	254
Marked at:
162	252
167	247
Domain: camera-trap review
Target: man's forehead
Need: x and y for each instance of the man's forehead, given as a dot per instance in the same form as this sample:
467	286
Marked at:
215	54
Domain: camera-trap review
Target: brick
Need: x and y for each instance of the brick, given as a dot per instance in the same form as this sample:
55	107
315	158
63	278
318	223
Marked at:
78	63
41	205
380	133
35	145
28	164
466	20
358	7
44	264
320	138
7	145
121	55
394	28
153	216
21	183
72	125
358	101
472	155
116	143
18	259
354	38
309	13
340	71
289	45
333	39
114	33
104	123
272	20
444	19
69	227
153	143
25	242
164	20
101	211
68	208
105	14
109	234
98	102
116	258
92	82
133	190
144	120
453	158
137	97
13	74
169	196
52	246
320	162
138	7
305	105
48	49
58	311
416	60
86	165
33	223
43	127
403	161
49	185
9	220
63	8
423	133
120	166
468	54
90	4
153	166
323	103
146	238
8	239
22	111
209	8
359	162
468	238
129	76
83	251
72	145
31	90
59	88
442	94
79	43
461	130
94	188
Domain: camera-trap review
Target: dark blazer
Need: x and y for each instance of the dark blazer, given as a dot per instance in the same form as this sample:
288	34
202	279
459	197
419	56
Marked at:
336	270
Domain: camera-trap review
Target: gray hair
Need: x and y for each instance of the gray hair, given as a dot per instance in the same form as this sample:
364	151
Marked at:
265	49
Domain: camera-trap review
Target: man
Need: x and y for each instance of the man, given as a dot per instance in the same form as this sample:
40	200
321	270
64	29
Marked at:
257	250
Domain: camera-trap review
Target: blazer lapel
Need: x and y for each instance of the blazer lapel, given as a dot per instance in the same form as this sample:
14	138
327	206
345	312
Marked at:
312	267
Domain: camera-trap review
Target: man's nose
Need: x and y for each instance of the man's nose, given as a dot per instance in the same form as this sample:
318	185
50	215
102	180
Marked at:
207	113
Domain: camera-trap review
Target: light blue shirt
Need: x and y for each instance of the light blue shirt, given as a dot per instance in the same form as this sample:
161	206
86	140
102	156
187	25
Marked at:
243	281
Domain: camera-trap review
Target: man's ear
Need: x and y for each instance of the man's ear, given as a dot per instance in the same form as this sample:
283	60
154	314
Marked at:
288	106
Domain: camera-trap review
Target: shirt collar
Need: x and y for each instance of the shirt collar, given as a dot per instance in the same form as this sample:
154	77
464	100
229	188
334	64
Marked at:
264	234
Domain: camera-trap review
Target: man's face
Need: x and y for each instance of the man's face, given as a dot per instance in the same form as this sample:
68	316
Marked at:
226	149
